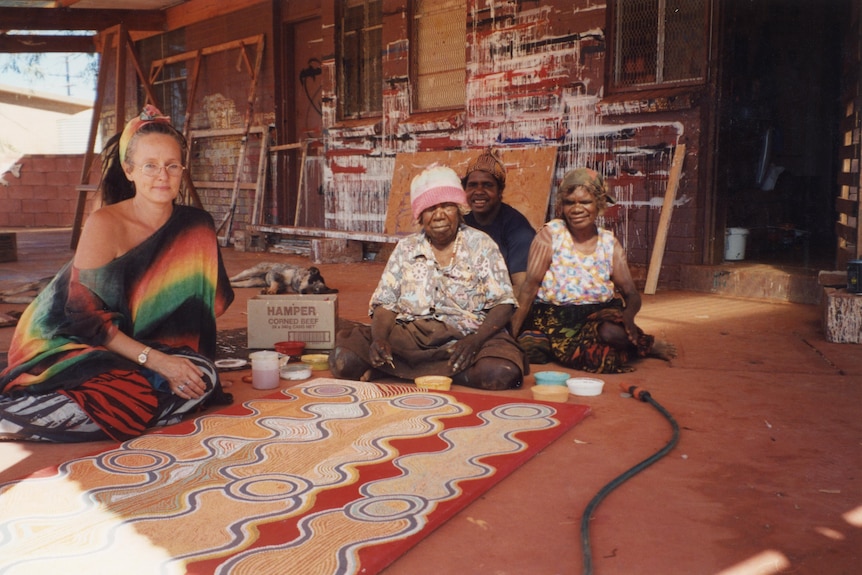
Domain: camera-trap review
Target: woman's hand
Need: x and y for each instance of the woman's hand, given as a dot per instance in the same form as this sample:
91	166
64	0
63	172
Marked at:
184	377
382	323
463	352
380	353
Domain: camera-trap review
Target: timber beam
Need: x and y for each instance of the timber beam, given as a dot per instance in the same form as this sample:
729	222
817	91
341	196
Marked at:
24	43
27	19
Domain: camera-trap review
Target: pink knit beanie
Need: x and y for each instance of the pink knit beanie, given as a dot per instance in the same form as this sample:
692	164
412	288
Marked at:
435	185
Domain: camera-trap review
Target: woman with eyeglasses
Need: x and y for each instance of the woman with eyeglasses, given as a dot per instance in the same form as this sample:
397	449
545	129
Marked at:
442	304
123	338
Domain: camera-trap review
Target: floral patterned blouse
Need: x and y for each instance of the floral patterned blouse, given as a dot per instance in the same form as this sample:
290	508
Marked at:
414	285
575	278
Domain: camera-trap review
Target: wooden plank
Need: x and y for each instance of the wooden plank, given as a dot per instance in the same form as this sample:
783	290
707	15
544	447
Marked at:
664	220
300	188
845	232
845	206
243	149
44	43
260	183
207	51
844	255
191	92
219	132
89	155
183	14
224	185
81	19
529	177
283	147
321	233
133	58
848	179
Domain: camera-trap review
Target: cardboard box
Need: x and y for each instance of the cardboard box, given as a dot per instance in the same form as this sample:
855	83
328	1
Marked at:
291	317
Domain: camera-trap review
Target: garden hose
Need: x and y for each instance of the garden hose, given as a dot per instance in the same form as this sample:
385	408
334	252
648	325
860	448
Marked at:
644	396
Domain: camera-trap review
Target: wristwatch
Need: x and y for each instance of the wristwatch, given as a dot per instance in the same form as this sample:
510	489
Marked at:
142	357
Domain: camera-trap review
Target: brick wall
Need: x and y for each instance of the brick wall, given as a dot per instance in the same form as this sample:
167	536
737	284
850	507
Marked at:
43	194
535	78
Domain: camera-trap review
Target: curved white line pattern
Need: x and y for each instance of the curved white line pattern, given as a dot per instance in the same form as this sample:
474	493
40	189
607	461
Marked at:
247	493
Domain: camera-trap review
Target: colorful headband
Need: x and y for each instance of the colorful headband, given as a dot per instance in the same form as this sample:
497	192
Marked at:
590	179
149	114
489	161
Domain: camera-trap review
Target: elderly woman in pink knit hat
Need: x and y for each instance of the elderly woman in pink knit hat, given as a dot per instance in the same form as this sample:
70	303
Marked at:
442	304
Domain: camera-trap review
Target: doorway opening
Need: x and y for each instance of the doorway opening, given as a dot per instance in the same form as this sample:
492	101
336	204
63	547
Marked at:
778	128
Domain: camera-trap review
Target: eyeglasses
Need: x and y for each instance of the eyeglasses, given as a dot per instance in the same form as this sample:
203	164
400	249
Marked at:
153	170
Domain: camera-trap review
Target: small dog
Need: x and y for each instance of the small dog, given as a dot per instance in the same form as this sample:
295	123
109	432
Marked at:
282	278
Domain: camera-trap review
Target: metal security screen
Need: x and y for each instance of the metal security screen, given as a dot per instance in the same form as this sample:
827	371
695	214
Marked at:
660	42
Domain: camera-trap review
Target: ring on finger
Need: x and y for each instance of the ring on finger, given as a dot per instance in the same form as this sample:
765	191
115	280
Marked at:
181	387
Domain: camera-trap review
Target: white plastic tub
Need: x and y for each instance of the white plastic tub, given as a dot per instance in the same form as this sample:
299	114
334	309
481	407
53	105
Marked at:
734	243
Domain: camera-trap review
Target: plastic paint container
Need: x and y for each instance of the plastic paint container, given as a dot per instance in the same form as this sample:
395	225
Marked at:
586	386
296	372
317	361
294	348
264	369
854	276
434	382
734	243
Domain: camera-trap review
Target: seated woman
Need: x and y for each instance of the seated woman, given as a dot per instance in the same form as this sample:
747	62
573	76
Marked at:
123	338
442	304
569	311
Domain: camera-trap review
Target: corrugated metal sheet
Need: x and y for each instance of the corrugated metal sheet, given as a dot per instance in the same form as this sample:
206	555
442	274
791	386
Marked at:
73	134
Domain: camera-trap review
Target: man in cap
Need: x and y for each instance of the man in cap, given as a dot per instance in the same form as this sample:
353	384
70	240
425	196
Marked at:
484	181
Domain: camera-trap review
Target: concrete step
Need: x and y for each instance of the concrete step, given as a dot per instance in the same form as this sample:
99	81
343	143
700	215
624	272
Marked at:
754	280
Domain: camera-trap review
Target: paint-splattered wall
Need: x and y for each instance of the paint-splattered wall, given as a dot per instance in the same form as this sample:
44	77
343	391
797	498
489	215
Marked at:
535	77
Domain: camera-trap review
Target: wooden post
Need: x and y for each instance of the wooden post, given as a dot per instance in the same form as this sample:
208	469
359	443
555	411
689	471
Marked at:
257	213
118	38
295	146
249	118
664	220
300	188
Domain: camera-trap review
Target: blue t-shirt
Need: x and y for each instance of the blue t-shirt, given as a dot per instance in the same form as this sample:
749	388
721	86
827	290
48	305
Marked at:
513	233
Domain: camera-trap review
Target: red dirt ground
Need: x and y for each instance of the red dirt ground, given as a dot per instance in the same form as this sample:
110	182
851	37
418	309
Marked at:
765	478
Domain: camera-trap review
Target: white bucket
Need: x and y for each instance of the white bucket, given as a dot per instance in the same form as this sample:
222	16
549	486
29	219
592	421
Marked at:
264	369
734	243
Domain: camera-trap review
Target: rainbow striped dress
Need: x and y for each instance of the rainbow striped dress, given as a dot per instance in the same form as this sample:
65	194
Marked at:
166	292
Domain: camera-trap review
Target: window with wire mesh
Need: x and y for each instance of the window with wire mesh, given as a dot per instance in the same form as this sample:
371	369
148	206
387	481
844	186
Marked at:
659	43
360	86
438	53
169	86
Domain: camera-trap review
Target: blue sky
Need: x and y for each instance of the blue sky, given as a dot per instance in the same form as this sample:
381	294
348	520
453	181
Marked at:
64	74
